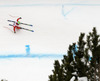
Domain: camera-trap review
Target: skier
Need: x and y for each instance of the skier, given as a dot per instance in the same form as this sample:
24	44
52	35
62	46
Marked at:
15	25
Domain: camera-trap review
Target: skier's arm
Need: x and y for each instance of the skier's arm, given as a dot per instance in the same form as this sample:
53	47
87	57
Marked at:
18	19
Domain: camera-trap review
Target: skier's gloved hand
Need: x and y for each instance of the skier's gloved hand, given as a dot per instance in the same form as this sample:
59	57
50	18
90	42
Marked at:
20	18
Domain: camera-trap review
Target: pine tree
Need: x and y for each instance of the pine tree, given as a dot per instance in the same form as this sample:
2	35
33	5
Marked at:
68	65
63	72
94	46
57	72
81	57
77	62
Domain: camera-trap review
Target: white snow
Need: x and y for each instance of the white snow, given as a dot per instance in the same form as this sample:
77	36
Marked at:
55	26
26	69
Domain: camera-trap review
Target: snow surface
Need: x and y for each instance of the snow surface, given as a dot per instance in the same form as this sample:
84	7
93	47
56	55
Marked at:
26	69
56	24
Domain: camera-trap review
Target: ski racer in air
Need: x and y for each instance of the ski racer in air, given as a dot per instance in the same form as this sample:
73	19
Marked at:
16	23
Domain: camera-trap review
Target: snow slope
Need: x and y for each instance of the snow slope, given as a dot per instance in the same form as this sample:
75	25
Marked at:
56	24
54	31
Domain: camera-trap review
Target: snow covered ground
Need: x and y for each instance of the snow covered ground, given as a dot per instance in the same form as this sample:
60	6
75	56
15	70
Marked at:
32	69
56	24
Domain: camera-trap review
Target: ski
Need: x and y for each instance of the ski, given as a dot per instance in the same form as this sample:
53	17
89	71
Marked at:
27	29
10	21
21	23
23	28
26	24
